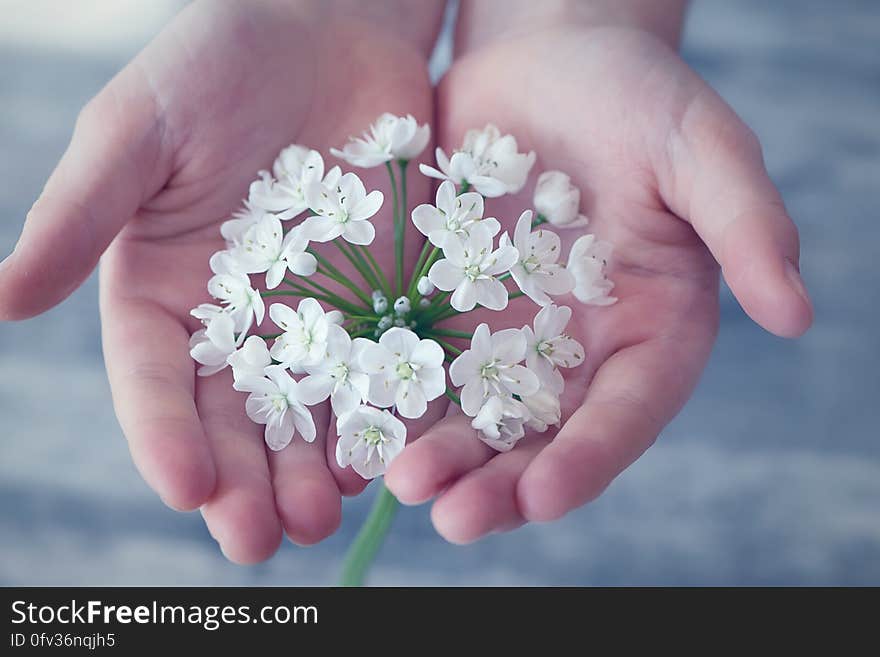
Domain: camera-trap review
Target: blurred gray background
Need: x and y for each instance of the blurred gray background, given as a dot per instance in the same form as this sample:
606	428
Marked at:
771	474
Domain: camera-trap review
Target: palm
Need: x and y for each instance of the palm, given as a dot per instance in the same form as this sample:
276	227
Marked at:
599	107
264	83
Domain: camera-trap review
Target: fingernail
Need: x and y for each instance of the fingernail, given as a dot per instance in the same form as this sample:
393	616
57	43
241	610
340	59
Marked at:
796	282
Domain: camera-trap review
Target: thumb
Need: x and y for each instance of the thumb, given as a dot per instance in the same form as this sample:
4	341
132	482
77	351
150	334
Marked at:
717	180
101	180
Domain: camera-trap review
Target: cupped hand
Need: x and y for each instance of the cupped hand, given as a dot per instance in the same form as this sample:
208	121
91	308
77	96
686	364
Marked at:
158	160
676	182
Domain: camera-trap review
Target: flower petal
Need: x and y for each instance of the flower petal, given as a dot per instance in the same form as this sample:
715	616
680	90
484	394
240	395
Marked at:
321	229
314	389
410	400
304	423
399	341
279	434
359	232
427	353
490	293
509	345
465	296
367	207
303	264
433	382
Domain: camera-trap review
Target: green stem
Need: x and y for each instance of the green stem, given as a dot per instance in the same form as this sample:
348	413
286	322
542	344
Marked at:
369	539
327	295
333	273
357	261
451	334
433	257
453	396
386	286
516	295
452	349
362	318
269	336
538	220
417	270
300	293
465	187
398	254
449	315
400	232
437	304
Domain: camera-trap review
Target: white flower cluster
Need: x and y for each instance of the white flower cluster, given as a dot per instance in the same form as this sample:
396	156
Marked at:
382	355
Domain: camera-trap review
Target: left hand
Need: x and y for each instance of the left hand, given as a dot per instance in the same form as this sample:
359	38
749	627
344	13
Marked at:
676	182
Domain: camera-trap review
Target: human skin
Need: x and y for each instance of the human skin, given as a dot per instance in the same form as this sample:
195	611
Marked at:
157	161
673	178
164	153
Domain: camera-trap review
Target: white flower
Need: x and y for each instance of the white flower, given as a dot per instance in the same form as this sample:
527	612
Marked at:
452	216
404	371
544	410
284	195
265	248
369	439
500	422
390	138
549	347
233	230
243	303
491	367
274	401
212	345
586	261
486	161
338	375
343	208
249	362
304	340
558	201
536	271
470	268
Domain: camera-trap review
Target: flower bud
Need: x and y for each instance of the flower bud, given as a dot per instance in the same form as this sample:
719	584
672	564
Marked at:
424	303
400	321
380	304
425	286
557	200
402	305
384	322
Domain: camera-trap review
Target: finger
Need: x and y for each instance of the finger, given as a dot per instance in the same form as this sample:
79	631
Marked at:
443	454
114	161
632	397
151	378
712	173
485	500
306	495
241	513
